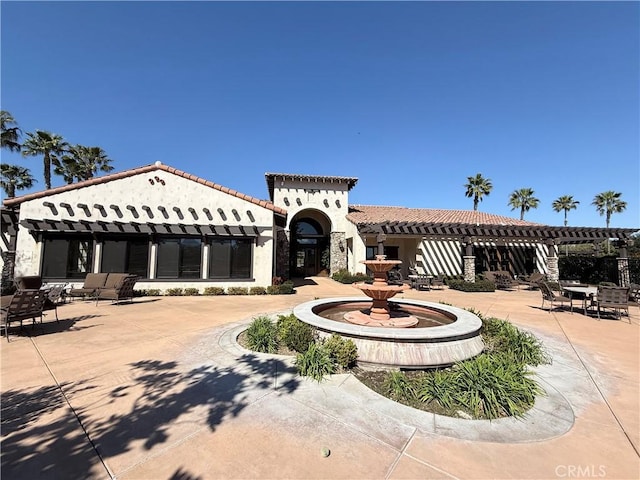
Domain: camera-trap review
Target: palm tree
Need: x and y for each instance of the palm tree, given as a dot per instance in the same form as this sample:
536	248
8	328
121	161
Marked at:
67	168
524	200
50	145
566	203
10	136
608	203
14	177
477	187
82	163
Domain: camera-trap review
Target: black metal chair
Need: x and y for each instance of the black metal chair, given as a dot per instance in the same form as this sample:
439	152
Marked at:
612	298
552	297
24	305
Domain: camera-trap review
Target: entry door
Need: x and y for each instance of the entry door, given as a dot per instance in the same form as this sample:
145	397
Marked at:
310	266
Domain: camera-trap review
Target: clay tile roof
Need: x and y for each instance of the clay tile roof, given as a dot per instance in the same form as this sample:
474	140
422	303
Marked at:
369	214
136	171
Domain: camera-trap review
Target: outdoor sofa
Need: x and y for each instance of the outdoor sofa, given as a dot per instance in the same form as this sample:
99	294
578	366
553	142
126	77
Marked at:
502	279
106	286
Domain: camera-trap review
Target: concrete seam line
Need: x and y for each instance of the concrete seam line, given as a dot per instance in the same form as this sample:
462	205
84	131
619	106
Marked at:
394	464
73	410
431	466
602	395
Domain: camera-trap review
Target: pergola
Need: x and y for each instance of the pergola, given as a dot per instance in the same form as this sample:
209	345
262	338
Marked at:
467	234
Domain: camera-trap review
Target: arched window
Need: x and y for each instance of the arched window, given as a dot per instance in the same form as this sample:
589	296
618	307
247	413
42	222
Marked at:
308	227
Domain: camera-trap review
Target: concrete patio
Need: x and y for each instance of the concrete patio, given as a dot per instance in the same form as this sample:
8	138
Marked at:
158	389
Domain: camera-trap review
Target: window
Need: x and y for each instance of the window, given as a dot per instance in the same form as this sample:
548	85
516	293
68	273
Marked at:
391	252
67	257
179	258
126	255
230	258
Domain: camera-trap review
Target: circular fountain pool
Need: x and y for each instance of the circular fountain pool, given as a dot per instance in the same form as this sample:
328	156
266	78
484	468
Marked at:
443	335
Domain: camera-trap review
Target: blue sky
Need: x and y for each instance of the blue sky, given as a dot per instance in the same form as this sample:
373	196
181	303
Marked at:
409	97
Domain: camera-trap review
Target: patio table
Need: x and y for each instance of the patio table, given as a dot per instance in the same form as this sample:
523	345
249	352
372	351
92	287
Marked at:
585	293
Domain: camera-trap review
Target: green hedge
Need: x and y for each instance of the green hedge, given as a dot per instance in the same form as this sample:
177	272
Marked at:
594	270
344	276
480	285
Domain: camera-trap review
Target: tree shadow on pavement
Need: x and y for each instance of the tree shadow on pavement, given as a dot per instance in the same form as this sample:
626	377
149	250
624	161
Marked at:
43	437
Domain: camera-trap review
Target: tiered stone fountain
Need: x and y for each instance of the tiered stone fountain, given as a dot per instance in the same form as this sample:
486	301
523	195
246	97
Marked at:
409	334
380	314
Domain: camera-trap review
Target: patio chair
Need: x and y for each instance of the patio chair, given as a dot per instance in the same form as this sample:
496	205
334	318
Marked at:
28	282
24	304
553	297
613	298
531	281
119	286
634	293
419	281
438	281
53	293
92	282
394	277
505	281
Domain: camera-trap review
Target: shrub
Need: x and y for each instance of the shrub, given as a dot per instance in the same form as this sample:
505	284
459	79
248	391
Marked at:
151	292
281	289
398	386
174	292
438	386
343	276
477	286
191	291
286	288
262	335
213	291
342	350
493	386
315	362
257	291
502	337
295	334
237	291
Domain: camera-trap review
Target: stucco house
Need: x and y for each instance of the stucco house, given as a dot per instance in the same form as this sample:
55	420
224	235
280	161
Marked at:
173	229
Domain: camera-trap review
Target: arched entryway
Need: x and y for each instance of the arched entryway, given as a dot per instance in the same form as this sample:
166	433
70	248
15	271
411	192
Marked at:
309	244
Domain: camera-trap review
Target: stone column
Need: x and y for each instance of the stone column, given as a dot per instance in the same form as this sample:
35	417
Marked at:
553	272
623	272
469	260
8	267
338	250
623	264
470	268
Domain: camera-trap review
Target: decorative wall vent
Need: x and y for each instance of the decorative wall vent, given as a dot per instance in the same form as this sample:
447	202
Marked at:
147	209
163	211
133	211
100	208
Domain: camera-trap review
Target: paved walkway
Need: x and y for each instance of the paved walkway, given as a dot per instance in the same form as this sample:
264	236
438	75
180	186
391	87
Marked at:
159	390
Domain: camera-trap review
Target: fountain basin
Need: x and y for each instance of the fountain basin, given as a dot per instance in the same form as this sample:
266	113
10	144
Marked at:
407	348
381	292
